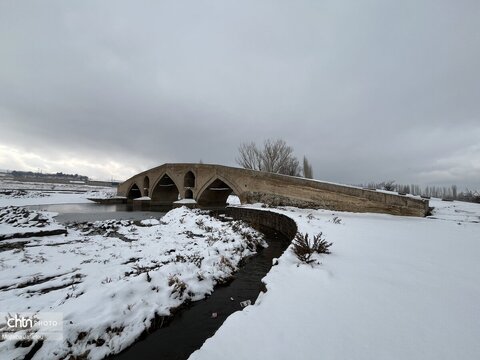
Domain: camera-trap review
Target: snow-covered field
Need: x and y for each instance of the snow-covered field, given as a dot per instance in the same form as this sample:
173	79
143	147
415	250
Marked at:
31	193
110	279
37	197
393	288
6	184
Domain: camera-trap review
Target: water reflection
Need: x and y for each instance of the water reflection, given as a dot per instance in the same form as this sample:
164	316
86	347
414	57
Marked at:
96	212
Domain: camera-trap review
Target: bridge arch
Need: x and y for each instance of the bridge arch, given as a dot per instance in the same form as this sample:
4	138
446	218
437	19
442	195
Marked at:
189	179
188	194
146	186
165	191
134	192
216	192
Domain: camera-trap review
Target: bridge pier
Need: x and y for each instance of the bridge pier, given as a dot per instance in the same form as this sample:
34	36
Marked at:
141	204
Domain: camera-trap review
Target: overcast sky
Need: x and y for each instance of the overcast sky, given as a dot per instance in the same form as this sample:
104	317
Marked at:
367	90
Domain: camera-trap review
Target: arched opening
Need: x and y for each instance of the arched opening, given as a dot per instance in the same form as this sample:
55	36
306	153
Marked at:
189	179
146	185
188	194
215	195
164	193
134	192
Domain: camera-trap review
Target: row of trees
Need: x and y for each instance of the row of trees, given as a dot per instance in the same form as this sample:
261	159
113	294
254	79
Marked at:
277	157
58	175
442	192
274	156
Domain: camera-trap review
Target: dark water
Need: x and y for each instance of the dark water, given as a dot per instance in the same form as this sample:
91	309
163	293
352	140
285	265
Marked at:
192	326
95	212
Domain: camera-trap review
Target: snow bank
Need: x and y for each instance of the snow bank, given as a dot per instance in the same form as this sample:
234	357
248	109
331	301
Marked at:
393	288
185	201
233	200
110	279
19	221
142	198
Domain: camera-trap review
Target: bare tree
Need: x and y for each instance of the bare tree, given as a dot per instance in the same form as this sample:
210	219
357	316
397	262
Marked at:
307	169
470	196
454	191
276	157
387	185
249	156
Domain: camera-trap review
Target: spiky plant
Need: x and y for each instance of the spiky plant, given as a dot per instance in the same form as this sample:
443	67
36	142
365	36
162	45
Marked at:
304	248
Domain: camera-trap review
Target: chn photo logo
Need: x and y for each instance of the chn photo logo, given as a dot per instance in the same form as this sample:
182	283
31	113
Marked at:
31	326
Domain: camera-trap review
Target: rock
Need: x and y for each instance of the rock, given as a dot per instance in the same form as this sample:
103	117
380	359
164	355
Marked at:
245	303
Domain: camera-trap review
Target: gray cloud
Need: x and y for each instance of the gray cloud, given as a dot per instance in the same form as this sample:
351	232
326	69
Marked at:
369	90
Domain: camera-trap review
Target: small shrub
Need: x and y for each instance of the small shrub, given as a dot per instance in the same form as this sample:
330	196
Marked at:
226	265
179	286
304	248
336	220
195	259
180	259
138	269
236	226
246	236
211	240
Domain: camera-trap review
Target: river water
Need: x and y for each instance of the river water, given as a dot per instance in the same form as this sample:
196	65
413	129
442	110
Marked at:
190	327
95	212
180	335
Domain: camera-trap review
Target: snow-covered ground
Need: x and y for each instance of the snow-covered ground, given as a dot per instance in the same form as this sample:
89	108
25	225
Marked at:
393	288
110	279
41	198
17	220
34	193
46	186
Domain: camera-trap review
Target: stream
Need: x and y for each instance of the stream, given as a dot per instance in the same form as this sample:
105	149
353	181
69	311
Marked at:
178	336
189	328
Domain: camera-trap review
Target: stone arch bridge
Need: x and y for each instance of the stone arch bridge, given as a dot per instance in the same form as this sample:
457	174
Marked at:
209	186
